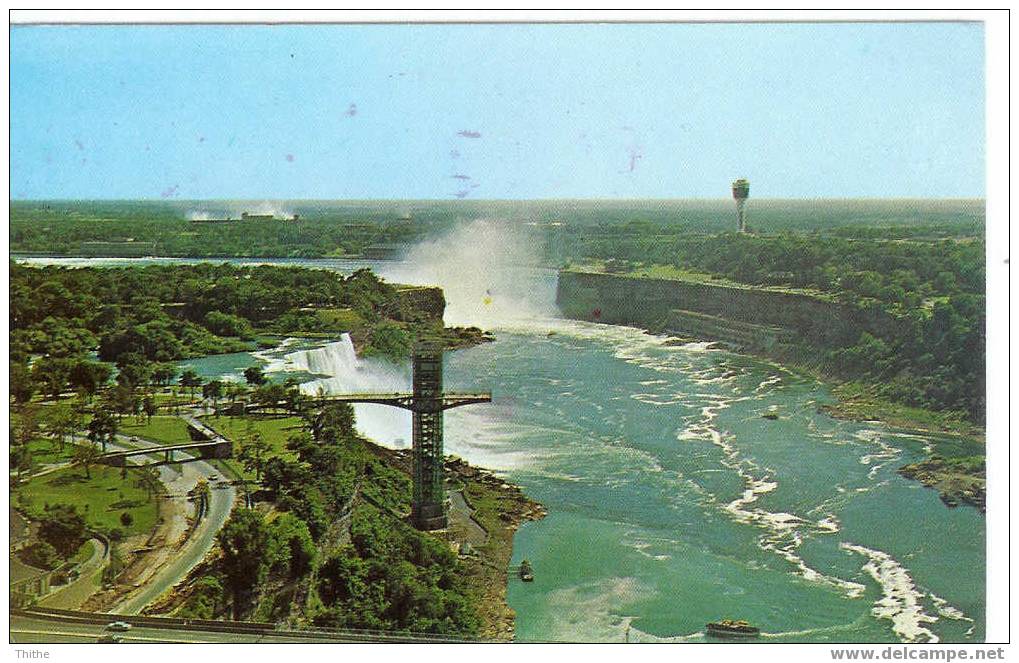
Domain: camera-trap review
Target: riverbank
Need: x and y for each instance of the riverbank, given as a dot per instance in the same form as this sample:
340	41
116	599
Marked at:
485	513
796	328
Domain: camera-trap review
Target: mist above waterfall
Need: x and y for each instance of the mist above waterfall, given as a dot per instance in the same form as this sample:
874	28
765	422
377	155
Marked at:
489	270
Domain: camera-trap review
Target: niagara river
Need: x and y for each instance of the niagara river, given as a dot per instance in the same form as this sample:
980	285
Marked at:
672	501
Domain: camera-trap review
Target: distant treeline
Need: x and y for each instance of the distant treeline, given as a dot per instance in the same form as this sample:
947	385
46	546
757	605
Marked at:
565	228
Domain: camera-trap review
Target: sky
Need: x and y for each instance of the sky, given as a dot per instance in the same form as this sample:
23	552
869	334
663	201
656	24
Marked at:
497	111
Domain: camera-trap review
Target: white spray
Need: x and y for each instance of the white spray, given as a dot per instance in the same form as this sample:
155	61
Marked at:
489	271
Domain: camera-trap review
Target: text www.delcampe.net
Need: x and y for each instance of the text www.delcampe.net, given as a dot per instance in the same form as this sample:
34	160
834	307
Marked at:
918	654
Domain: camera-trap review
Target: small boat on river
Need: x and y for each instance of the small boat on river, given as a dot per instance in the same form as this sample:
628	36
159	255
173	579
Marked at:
526	572
728	628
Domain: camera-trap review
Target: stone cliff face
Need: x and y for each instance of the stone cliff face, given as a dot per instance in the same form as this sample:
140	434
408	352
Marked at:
746	316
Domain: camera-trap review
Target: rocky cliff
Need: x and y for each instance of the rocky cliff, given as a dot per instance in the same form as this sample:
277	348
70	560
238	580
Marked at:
752	317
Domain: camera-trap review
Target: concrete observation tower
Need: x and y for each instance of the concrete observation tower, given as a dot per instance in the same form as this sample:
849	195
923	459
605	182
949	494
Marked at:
740	193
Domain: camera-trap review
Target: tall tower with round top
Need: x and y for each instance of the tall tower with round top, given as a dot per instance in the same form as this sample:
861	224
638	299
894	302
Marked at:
740	192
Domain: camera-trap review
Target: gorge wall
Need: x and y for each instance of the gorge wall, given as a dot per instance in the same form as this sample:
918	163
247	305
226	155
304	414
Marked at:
750	317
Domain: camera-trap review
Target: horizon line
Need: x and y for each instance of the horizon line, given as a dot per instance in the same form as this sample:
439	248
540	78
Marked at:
494	200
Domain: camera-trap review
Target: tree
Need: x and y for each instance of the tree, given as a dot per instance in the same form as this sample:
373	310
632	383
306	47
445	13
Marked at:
190	379
123	399
280	475
62	527
389	340
293	549
244	541
52	374
334	422
296	402
21	458
149	407
213	390
102	428
126	519
41	555
234	391
255	376
147	478
63	422
225	324
22	384
270	394
134	369
254	450
85	456
163	373
88	376
27	427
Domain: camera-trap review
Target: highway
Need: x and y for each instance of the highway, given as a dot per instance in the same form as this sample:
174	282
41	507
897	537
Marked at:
26	630
31	628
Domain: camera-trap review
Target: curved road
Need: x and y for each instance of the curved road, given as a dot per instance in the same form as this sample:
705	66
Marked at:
202	538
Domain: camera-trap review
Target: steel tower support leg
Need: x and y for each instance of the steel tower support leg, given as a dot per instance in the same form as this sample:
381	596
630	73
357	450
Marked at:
428	508
739	214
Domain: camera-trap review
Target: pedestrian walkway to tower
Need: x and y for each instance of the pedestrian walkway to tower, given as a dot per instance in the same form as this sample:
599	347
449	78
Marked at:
427	402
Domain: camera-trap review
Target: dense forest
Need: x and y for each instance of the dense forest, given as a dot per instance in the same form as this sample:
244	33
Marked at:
332	530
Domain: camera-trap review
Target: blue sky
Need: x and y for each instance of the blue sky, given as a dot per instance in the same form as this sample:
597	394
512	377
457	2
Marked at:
497	111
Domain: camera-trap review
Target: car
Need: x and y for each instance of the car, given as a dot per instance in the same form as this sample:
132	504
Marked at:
118	626
109	638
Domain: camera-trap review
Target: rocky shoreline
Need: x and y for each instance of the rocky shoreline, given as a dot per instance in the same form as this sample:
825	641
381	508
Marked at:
500	508
957	483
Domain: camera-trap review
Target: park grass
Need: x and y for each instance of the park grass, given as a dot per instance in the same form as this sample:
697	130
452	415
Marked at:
346	319
166	430
45	451
274	430
101	499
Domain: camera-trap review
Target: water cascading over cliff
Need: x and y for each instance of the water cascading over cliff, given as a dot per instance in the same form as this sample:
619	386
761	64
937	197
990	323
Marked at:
347	373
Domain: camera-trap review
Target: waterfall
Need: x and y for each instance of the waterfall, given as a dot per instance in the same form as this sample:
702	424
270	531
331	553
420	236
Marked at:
347	373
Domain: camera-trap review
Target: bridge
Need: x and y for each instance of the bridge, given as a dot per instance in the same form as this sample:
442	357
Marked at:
406	401
427	402
205	441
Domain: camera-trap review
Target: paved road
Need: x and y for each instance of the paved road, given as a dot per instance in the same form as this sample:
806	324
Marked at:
43	629
198	544
39	630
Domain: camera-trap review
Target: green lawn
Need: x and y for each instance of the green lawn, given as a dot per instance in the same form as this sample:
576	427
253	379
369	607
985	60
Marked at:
101	499
274	430
671	272
164	429
46	451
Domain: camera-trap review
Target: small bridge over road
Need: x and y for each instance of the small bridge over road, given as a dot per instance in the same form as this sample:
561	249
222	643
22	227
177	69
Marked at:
205	441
